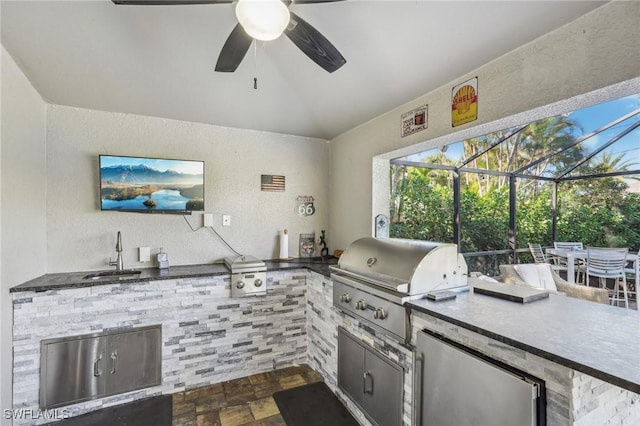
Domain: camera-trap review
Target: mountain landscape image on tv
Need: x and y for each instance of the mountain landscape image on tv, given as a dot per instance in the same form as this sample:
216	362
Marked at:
151	184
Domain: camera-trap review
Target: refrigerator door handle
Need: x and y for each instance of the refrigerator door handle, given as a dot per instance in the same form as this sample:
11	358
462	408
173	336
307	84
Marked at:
417	388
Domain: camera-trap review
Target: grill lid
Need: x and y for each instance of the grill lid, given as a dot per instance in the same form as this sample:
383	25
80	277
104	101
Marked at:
407	266
244	263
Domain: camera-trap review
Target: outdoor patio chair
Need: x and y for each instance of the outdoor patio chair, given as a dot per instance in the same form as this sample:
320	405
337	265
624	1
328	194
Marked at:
540	257
634	270
606	263
537	253
511	276
580	267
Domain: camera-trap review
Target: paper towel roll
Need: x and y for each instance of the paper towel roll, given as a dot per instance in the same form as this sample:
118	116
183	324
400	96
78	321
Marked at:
284	245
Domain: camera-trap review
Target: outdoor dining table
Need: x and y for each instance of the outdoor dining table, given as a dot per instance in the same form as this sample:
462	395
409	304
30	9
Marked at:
572	255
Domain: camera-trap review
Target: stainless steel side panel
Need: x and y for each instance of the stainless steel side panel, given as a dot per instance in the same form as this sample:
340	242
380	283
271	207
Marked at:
460	389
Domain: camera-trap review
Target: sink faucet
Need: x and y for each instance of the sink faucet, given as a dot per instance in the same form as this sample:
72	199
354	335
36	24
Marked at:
118	263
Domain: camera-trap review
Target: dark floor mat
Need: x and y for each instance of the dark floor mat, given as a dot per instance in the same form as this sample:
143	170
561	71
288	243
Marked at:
312	405
156	411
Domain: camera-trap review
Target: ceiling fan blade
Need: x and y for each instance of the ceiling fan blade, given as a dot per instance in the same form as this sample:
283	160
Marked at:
313	44
234	50
315	1
167	2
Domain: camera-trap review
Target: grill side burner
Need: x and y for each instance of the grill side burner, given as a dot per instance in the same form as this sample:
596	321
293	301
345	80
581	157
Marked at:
248	276
375	277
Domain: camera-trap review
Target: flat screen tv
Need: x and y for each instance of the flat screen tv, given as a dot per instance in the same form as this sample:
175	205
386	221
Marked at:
151	185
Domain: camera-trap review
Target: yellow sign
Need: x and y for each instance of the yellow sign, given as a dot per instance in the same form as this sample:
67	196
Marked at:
464	102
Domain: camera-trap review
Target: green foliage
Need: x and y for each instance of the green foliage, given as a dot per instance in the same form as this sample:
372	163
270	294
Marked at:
484	219
425	209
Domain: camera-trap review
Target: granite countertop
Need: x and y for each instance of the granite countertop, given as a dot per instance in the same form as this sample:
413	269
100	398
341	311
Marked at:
75	279
599	340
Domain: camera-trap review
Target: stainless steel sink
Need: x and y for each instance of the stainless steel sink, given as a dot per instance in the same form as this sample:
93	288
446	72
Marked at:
129	273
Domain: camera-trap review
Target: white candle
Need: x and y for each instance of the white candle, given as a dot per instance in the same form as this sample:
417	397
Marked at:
284	245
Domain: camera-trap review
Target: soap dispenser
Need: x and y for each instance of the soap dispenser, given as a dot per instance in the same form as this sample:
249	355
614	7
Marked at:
162	259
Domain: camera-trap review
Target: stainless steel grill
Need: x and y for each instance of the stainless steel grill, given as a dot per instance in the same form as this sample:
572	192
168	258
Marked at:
376	276
248	275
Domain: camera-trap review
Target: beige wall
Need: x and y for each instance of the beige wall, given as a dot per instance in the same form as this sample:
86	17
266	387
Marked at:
556	73
81	237
22	201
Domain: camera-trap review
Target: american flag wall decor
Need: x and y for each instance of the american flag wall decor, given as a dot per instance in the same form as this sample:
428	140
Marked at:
272	183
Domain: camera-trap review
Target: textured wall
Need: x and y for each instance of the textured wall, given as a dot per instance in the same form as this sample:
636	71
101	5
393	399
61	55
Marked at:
207	337
595	51
23	200
82	237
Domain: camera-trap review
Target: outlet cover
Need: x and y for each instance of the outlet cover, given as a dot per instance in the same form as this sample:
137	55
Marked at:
207	220
144	254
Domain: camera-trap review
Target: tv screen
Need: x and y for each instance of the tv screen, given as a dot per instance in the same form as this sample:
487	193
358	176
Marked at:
151	185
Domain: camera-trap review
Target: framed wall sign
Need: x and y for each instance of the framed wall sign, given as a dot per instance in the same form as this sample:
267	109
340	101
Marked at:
464	102
414	121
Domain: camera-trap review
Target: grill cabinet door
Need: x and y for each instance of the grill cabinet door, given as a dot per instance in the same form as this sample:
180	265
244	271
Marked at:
372	382
132	360
72	370
351	367
382	390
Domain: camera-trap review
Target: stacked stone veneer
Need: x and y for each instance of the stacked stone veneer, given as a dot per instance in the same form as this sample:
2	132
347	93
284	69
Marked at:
322	332
573	398
208	337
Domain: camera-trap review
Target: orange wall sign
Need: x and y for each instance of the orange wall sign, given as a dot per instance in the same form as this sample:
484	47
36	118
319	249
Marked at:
464	102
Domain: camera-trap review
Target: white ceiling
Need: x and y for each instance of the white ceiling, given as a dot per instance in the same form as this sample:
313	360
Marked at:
159	60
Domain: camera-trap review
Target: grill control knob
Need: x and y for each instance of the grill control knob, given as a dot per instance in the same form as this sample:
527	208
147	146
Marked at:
258	282
361	304
380	314
345	298
239	285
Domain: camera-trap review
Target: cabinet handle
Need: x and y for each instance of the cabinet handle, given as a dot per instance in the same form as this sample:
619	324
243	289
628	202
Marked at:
96	366
114	362
367	374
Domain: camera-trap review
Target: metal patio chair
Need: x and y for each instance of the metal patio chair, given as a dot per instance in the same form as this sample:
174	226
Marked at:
580	268
605	263
540	257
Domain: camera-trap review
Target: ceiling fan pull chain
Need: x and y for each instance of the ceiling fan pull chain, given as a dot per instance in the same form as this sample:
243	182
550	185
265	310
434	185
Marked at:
255	64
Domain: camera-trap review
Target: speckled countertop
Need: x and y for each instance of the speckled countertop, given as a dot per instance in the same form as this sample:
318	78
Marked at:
76	280
599	340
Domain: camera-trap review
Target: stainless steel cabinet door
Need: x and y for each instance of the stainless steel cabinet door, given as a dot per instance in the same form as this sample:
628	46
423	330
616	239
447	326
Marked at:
351	367
372	382
71	371
133	360
382	390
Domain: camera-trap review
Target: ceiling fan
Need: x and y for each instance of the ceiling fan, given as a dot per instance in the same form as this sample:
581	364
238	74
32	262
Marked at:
252	25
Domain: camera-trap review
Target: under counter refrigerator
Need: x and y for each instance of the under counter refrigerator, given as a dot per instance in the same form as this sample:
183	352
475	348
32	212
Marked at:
457	386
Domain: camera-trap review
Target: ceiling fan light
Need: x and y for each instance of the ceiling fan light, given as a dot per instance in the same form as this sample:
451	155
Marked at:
263	19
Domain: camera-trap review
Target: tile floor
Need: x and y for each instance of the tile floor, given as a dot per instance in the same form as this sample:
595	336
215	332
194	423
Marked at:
245	401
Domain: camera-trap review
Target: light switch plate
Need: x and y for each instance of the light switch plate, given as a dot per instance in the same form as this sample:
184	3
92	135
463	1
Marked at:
226	220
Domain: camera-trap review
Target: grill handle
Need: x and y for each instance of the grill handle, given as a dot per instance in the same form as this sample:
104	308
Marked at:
390	283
